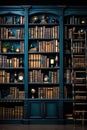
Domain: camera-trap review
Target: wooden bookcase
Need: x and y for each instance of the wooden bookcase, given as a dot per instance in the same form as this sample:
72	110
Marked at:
43	73
75	87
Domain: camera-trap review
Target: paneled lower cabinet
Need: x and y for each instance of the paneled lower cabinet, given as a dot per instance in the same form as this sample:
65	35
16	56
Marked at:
43	64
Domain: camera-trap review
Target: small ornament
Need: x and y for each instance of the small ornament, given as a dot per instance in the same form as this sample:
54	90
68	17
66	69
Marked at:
56	61
12	48
43	20
20	62
17	50
51	62
10	63
83	21
33	92
10	32
53	20
46	79
35	19
20	77
15	77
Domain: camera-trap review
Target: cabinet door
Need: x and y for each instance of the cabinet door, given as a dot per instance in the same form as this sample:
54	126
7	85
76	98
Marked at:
35	109
51	109
45	109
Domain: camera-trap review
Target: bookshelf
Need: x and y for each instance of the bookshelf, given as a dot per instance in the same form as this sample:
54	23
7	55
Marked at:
11	65
43	71
75	67
43	63
43	56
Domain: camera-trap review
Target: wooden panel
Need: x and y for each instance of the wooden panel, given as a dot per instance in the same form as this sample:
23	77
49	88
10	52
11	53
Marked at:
51	110
35	110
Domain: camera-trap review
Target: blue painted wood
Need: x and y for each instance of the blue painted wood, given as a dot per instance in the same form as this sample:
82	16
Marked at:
26	54
61	74
50	110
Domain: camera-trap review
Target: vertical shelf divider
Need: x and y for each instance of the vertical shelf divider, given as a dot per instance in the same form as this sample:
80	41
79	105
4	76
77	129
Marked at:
61	65
26	64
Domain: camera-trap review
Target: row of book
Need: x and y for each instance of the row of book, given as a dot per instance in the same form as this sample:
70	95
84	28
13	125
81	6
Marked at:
75	33
72	91
68	76
68	93
41	77
79	61
39	61
10	62
15	112
75	76
12	92
11	19
48	92
8	76
75	47
76	20
11	33
78	47
84	97
45	46
16	93
44	32
77	115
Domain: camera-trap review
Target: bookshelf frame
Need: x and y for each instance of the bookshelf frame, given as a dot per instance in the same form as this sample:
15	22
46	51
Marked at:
44	110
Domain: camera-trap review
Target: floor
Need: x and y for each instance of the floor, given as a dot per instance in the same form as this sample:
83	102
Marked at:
40	127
